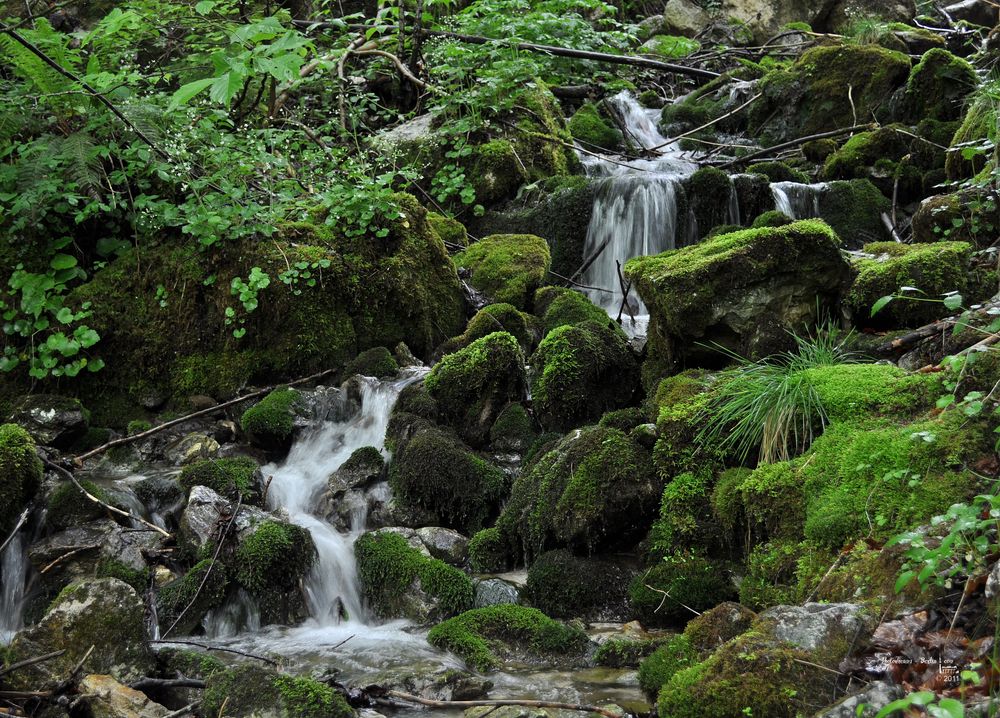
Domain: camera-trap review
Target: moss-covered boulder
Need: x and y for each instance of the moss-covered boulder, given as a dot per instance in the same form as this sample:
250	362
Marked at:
778	172
377	362
271	561
709	192
450	230
473	385
434	472
595	490
967	216
488	551
484	637
104	613
561	585
772	218
559	306
676	589
861	152
810	96
270	423
886	268
743	291
183	603
507	267
937	87
661	665
400	581
51	420
20	474
718	625
231	478
252	690
496	318
581	371
593	131
853	209
68	507
514	430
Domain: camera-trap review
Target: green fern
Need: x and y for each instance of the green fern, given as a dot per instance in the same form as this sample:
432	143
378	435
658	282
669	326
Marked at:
83	165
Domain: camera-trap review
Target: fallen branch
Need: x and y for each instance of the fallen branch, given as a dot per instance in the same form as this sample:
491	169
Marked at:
189	708
144	684
707	124
795	143
210	647
78	460
114	509
66	555
17	527
31	661
527	703
403	69
887	221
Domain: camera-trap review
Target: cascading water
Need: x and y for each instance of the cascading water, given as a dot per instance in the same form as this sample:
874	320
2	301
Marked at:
13	574
796	200
635	209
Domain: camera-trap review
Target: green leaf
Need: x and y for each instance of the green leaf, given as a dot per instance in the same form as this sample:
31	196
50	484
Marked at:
204	7
186	92
903	580
953	301
64	315
880	304
63	261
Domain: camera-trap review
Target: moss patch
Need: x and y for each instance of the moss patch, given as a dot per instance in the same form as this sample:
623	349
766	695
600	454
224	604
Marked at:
191	596
690	579
249	689
507	267
270	421
593	131
660	666
275	557
20	474
238	476
937	87
558	306
377	362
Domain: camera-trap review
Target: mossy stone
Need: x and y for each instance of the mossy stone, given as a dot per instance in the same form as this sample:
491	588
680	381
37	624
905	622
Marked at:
495	318
488	551
507	267
937	87
661	665
275	557
708	193
773	218
377	362
778	172
232	478
558	306
593	131
692	582
514	430
561	585
20	474
183	603
853	209
450	230
251	690
68	507
271	421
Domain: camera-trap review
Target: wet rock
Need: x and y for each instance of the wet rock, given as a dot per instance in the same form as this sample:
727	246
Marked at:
364	467
105	613
161	495
873	698
842	12
718	625
190	448
505	712
684	17
107	698
201	517
977	12
255	692
448	545
411	536
816	626
495	591
449	685
50	419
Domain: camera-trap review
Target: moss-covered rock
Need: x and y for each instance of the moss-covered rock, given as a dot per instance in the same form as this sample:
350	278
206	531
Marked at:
680	406
238	476
514	430
686	518
594	490
778	172
888	267
488	551
183	603
509	268
708	192
377	362
968	216
717	626
853	209
743	291
436	473
593	131
270	423
668	592
451	231
773	218
68	507
558	306
495	318
937	87
860	153
810	96
661	665
561	585
20	474
581	371
274	558
400	581
251	690
978	123
773	570
486	636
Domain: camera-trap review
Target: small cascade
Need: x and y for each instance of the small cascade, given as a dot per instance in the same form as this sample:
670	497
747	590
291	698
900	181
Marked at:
13	577
796	200
635	210
240	613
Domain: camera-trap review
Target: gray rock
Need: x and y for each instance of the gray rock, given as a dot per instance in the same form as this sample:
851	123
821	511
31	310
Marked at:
190	448
816	625
978	12
107	698
505	712
993	581
50	419
874	697
495	592
411	536
201	516
683	17
445	544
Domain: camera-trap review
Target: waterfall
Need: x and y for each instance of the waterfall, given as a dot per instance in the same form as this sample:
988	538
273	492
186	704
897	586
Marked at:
13	576
796	200
332	586
635	209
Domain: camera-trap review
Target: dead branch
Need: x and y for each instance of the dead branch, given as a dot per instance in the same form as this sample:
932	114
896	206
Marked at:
626	287
189	708
114	509
527	703
67	555
403	69
17	527
589	260
210	647
707	124
30	662
78	460
887	222
145	684
795	143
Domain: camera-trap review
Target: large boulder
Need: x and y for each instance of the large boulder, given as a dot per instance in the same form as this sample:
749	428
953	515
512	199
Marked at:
51	420
256	692
684	17
105	613
107	698
742	291
507	267
20	474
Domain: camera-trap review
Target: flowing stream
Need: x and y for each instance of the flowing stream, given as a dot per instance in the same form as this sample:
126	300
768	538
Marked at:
13	575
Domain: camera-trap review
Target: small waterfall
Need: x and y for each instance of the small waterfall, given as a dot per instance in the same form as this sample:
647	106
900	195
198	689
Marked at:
635	210
238	614
796	200
13	577
332	587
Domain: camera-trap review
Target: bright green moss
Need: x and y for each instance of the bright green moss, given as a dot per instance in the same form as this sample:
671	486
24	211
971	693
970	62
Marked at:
192	664
480	634
778	172
507	267
853	209
772	574
497	171
272	419
20	474
686	515
275	557
934	269
451	231
494	318
683	400
138	426
772	499
660	666
773	218
851	392
593	131
625	652
249	689
863	150
692	582
937	87
488	551
579	372
978	123
514	429
717	625
436	473
727	501
377	362
238	476
388	567
562	306
191	596
136	578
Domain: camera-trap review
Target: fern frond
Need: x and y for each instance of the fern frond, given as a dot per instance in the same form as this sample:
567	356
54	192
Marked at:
83	164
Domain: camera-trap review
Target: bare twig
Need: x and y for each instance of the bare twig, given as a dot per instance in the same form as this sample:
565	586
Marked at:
65	556
707	124
188	709
31	661
795	143
528	703
17	527
210	647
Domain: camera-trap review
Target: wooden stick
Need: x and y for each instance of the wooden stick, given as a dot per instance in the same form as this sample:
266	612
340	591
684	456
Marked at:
17	527
795	143
189	708
707	124
217	648
31	661
78	460
528	703
144	684
66	556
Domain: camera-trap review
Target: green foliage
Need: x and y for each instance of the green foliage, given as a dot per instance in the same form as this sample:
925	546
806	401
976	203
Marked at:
233	477
480	634
671	46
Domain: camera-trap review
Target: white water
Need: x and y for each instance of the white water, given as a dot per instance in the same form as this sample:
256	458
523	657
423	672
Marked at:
635	210
13	575
798	201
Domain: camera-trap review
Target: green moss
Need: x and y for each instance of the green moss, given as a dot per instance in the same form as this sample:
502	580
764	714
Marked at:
20	474
249	689
111	568
772	500
660	666
937	87
275	557
217	374
434	472
685	399
623	419
773	218
561	585
863	150
690	579
238	476
593	131
451	231
778	172
271	420
191	664
593	490
488	551
979	123
191	596
507	267
772	574
68	507
565	307
480	634
625	652
514	429
717	626
388	567
686	519
857	391
579	372
853	209
138	426
818	150
416	400
727	501
494	318
708	192
377	362
365	458
935	269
